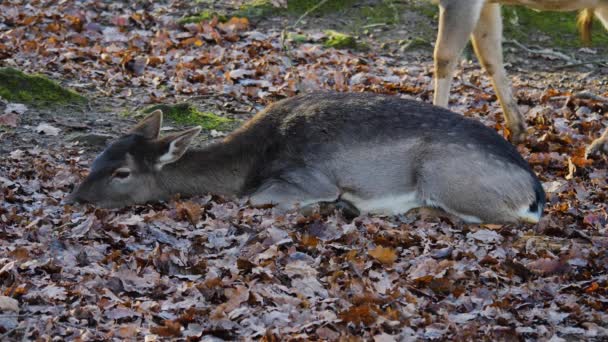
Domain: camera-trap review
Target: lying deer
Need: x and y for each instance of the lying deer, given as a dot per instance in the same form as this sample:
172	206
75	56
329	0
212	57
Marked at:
372	153
481	20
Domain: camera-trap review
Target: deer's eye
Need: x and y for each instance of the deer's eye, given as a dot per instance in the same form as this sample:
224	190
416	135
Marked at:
121	173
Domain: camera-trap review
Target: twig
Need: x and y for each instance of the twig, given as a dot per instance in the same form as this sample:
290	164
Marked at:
585	95
469	84
590	96
27	330
310	10
545	52
10	332
284	31
573	65
373	25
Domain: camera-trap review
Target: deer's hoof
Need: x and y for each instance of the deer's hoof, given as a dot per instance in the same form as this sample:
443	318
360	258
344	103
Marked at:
518	133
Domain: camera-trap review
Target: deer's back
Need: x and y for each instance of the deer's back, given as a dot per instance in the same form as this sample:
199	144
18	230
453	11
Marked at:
351	137
324	121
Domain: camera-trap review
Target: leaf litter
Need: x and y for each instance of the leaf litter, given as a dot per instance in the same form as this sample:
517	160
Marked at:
207	267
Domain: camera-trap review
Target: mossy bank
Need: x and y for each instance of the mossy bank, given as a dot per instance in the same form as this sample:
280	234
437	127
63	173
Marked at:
35	90
188	115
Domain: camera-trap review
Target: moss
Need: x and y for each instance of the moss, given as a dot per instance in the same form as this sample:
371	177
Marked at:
187	114
297	37
339	40
203	16
35	90
383	13
414	43
428	10
560	27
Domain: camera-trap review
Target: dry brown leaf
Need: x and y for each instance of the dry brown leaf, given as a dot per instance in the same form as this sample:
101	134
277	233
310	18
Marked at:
168	329
189	211
385	255
361	314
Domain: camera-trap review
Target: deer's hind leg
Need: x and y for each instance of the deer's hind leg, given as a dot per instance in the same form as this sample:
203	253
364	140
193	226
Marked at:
487	41
457	19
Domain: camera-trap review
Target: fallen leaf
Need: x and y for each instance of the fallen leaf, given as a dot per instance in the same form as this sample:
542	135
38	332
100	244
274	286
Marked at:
16	108
9	304
45	128
9	120
385	255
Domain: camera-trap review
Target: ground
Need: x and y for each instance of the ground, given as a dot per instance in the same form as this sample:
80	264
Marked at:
209	268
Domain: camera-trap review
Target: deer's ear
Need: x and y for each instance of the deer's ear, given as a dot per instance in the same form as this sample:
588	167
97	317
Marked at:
150	126
176	145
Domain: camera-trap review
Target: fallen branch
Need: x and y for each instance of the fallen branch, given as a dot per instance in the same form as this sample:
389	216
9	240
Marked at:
590	96
542	52
583	95
573	65
469	84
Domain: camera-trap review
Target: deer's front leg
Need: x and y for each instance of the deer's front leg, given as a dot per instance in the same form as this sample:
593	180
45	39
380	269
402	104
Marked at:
301	187
457	19
487	41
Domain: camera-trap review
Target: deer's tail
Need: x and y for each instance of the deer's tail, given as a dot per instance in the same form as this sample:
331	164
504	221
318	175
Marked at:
584	22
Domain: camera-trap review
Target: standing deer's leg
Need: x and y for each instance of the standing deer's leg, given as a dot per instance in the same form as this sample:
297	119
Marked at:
600	144
602	14
487	41
457	19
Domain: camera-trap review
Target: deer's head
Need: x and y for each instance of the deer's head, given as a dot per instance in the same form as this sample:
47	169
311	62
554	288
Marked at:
129	171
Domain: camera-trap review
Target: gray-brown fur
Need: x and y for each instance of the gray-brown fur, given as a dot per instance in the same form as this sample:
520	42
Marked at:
324	147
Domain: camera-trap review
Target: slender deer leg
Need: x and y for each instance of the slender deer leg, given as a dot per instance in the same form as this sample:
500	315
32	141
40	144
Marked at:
600	144
487	41
602	14
457	19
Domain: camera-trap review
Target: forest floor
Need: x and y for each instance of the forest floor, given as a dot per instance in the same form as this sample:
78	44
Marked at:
208	268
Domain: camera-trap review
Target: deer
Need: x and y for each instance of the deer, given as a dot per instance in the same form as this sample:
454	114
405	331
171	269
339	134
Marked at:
481	21
360	152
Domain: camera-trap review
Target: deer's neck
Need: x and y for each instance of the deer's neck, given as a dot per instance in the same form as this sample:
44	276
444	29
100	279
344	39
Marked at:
219	168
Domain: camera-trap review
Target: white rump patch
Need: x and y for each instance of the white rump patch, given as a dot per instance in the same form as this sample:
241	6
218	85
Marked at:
464	217
528	216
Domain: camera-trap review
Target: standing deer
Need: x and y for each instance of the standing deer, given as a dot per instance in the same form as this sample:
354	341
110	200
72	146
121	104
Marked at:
481	21
365	152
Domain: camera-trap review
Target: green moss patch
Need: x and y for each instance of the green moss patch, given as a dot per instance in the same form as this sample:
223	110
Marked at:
560	27
297	38
35	90
340	40
187	114
203	16
429	10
